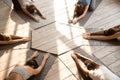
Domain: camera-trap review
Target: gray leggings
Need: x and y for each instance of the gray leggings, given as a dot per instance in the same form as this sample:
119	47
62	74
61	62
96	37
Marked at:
92	5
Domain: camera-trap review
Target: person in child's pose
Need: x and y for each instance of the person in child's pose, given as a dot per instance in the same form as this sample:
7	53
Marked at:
23	72
81	8
11	39
111	33
28	7
92	69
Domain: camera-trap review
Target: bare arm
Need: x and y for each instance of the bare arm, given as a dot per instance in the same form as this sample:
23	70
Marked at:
80	65
11	41
116	35
83	58
38	70
29	14
84	13
39	13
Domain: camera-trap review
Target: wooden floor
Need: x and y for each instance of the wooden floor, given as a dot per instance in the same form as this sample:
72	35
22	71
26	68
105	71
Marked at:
59	38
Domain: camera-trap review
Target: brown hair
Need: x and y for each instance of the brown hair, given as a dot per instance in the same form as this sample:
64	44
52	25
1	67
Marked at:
30	9
112	30
91	65
4	37
14	76
79	9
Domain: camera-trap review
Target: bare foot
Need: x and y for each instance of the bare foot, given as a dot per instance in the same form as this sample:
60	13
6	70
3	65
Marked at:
46	55
35	54
86	35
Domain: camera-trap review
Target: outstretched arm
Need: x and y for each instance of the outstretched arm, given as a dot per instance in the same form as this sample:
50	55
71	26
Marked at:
83	58
83	15
80	65
38	70
38	11
116	35
13	41
34	55
29	14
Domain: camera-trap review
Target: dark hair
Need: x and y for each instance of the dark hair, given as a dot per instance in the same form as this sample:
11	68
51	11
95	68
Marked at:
79	9
1	37
4	37
109	32
32	63
30	9
91	65
16	5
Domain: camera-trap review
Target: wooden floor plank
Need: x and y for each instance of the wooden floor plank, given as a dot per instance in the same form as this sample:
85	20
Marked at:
70	64
58	71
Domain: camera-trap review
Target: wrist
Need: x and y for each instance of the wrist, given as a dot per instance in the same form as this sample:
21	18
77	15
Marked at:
91	37
76	19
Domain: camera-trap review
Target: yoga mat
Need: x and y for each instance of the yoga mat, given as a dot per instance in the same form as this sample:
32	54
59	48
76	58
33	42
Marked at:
46	68
83	53
8	2
113	42
94	57
46	7
89	13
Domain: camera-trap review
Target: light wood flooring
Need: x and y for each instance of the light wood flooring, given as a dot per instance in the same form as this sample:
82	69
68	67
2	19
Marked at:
59	38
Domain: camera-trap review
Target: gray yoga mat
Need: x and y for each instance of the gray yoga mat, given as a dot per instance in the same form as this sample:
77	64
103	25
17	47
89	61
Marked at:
93	57
47	67
83	53
113	42
46	7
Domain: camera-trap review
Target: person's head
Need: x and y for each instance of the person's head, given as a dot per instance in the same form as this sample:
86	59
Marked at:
4	37
79	8
32	64
110	31
116	28
30	8
91	65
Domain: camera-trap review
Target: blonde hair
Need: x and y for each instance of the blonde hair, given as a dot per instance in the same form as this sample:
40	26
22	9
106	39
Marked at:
14	76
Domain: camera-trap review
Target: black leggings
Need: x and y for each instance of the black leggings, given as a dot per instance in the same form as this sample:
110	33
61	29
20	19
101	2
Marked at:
16	5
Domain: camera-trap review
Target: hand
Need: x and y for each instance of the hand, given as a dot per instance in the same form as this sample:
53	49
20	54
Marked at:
70	21
35	54
37	20
46	56
25	39
74	21
86	35
43	17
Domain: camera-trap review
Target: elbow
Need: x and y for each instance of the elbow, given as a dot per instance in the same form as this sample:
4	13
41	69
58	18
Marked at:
36	72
